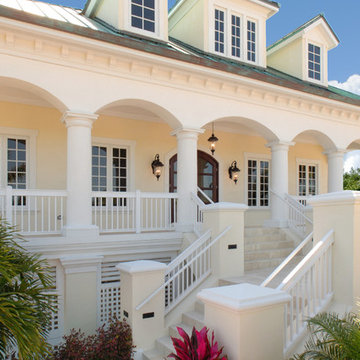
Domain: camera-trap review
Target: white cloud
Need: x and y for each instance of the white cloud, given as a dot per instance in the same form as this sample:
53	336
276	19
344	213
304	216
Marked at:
352	84
352	160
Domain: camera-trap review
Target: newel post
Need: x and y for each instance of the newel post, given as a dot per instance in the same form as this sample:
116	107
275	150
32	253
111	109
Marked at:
340	211
248	320
139	280
227	255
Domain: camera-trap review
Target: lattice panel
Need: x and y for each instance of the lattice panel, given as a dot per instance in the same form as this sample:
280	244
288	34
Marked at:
110	301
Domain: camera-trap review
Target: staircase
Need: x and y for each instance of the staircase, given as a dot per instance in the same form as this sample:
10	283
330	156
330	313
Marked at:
164	346
265	249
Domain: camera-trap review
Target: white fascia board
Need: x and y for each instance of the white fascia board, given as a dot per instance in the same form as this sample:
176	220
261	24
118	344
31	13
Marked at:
333	42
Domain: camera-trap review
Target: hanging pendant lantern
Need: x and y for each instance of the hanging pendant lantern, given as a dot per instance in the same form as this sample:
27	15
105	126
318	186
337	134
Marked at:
212	140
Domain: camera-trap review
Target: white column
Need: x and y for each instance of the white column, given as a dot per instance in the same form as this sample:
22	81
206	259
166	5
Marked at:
78	215
279	182
335	170
186	175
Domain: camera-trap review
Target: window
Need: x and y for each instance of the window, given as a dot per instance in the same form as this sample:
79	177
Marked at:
219	31
16	163
307	179
109	170
235	36
143	14
314	62
251	41
258	180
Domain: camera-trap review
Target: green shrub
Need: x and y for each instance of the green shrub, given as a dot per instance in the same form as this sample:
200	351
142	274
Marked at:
111	342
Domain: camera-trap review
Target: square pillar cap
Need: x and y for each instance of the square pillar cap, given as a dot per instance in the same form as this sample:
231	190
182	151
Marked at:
243	297
225	206
141	266
338	198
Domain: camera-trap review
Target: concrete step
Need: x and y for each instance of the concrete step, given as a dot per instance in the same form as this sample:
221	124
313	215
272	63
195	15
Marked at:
268	245
164	346
174	333
262	264
258	231
193	318
267	254
264	238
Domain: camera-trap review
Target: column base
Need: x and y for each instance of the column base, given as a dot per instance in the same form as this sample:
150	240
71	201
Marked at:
88	233
274	223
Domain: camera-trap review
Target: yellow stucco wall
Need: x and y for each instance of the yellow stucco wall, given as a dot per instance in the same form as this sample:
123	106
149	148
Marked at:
289	59
150	138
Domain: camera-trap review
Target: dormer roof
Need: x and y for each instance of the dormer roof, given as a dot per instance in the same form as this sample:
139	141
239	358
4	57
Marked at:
317	21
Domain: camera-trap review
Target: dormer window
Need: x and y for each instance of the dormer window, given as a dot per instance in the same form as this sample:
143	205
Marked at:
219	31
143	14
251	41
235	35
314	62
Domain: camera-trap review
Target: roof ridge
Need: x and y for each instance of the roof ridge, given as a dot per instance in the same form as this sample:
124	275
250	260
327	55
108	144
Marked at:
300	28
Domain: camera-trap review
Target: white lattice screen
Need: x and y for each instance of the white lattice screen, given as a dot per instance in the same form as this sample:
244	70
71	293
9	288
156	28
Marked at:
109	297
55	329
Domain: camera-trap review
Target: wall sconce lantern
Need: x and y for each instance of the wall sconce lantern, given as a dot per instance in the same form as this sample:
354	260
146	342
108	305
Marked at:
212	140
157	166
234	172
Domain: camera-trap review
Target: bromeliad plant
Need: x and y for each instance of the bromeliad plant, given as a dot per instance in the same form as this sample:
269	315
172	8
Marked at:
196	347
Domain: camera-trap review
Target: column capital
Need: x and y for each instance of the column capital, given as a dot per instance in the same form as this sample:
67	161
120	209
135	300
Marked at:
75	264
187	132
280	145
79	118
335	153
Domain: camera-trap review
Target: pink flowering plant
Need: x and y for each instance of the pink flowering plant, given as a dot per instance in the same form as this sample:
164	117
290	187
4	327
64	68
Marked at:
196	347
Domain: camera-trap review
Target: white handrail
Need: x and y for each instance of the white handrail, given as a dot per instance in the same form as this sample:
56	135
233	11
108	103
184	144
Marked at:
287	260
297	206
204	195
175	266
310	288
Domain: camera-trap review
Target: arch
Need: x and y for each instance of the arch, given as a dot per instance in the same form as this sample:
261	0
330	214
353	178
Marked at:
245	125
316	136
155	109
26	87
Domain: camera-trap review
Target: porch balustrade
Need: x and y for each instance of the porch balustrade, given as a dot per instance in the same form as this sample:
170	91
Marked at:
35	212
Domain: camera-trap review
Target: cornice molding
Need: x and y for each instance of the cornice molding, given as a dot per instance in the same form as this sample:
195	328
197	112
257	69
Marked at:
28	40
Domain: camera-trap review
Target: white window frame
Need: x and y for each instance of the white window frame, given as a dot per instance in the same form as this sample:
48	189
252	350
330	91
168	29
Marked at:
257	157
129	145
322	62
158	25
228	35
30	136
307	163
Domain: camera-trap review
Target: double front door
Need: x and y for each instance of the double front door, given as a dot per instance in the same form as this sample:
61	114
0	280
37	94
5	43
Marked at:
208	175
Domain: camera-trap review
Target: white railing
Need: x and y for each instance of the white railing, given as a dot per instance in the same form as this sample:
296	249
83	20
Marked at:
310	288
34	211
295	252
303	200
186	271
205	196
297	218
134	211
198	213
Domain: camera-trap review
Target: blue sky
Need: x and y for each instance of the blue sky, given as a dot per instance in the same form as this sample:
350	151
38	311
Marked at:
343	16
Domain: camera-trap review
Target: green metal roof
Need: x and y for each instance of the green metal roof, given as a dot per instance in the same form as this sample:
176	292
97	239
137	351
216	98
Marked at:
302	27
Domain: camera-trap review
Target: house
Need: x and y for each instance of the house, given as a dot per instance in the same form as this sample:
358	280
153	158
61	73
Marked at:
107	113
